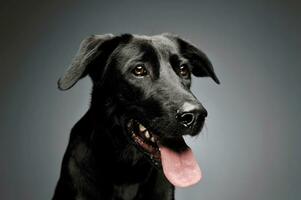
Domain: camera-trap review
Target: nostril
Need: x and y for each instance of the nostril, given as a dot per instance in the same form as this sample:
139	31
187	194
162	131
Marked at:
186	119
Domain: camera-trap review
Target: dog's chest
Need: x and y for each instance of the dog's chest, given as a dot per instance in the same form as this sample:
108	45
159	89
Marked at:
125	192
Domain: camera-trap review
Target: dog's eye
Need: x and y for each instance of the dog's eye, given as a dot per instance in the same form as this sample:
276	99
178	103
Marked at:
184	70
139	70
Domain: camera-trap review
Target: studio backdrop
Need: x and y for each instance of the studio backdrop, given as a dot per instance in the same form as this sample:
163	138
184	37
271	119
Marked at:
250	147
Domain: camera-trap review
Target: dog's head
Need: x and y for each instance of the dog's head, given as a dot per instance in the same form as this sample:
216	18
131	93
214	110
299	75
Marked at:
143	84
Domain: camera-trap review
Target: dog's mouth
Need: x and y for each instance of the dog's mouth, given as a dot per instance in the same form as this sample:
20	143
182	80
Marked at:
180	167
145	139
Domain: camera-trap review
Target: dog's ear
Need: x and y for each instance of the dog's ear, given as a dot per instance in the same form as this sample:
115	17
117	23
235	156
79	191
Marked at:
89	49
201	65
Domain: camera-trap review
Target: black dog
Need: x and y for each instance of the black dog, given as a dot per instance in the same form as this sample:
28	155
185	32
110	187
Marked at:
129	144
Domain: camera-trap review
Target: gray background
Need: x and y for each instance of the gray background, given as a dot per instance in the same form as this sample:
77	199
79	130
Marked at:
250	147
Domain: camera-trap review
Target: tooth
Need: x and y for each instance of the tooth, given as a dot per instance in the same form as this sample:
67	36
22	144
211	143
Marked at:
147	134
141	128
152	139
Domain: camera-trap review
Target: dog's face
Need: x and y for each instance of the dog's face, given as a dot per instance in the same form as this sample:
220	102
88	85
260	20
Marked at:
145	80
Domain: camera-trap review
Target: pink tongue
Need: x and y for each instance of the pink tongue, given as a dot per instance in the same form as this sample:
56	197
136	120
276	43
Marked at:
181	169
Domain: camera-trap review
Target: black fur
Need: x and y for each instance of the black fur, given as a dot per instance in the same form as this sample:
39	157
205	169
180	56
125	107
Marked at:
101	160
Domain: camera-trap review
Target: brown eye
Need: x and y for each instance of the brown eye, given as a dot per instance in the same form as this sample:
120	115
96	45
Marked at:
184	71
139	70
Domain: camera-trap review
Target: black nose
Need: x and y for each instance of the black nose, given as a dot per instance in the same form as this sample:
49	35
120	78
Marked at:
189	113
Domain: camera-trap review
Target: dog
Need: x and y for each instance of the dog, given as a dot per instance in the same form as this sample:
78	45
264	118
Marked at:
129	144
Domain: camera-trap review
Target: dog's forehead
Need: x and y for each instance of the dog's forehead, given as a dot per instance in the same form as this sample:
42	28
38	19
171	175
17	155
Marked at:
157	44
163	44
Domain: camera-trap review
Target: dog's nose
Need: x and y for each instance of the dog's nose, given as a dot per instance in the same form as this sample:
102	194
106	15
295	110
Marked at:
190	113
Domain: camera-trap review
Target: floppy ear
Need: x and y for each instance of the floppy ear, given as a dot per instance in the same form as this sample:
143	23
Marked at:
201	65
89	49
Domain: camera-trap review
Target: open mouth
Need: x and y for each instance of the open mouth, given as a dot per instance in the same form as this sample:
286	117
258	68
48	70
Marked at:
145	139
179	164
